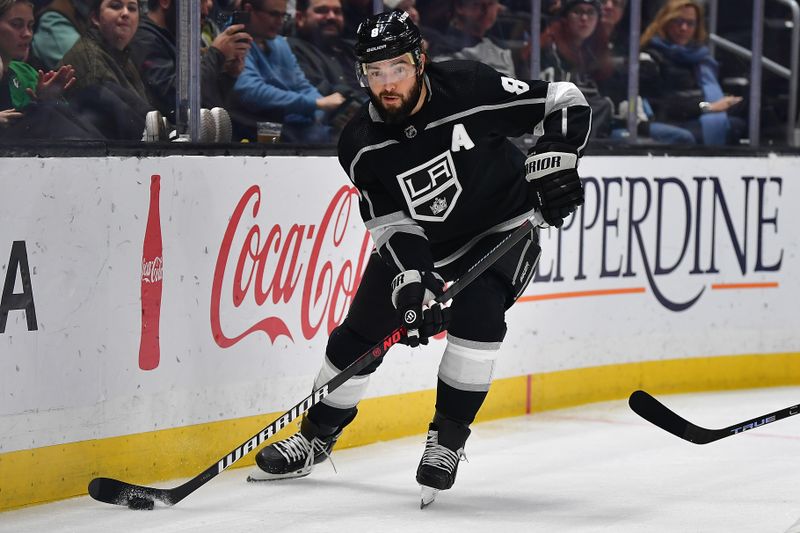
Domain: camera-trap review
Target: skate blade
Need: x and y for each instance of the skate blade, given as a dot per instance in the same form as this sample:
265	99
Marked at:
427	496
258	475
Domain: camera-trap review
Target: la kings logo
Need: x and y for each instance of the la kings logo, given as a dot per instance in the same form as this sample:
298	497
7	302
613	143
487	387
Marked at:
432	188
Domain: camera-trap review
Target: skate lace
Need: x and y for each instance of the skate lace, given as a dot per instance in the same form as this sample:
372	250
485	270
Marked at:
295	448
439	456
320	445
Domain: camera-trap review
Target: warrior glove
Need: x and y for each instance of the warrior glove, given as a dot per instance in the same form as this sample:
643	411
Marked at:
412	292
555	187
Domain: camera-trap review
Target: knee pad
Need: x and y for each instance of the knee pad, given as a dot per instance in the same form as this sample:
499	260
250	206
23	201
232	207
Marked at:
468	365
478	312
345	346
348	394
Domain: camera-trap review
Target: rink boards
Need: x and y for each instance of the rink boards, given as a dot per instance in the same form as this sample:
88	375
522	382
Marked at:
675	276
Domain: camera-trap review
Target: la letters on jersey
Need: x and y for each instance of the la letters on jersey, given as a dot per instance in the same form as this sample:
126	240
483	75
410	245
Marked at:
432	188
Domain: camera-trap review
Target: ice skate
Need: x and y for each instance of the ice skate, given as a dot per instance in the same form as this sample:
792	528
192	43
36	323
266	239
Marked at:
295	456
444	449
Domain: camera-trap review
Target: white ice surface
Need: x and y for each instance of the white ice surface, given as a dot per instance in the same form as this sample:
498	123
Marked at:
595	468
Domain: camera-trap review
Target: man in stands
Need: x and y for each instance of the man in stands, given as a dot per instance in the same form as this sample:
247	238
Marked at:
154	52
326	59
274	83
466	37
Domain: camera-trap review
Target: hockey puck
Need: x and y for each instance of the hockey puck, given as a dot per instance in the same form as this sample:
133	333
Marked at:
138	503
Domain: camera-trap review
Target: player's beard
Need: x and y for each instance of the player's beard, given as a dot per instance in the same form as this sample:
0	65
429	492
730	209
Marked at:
398	115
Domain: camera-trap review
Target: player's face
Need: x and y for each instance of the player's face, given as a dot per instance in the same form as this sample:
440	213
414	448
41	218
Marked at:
16	32
394	86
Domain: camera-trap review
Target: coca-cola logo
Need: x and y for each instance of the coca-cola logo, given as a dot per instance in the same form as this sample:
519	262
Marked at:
278	265
153	270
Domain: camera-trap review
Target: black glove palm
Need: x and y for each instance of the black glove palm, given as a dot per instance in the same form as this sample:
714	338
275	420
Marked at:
555	187
411	291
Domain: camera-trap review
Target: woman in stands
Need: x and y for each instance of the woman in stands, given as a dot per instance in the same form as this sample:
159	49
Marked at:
575	49
679	76
109	91
24	91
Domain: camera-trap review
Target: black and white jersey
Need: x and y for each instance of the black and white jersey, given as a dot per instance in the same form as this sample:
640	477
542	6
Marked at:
430	188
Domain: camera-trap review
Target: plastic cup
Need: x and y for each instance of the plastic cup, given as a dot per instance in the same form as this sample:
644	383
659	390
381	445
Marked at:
269	132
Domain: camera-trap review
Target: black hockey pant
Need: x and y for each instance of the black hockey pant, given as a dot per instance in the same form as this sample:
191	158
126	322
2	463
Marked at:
476	332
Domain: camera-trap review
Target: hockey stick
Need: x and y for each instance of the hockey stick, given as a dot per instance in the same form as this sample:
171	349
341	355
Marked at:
662	416
118	492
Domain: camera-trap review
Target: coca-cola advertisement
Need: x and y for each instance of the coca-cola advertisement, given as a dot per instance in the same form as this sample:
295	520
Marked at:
293	280
152	281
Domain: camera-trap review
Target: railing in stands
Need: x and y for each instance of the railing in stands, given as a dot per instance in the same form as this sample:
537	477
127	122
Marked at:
758	62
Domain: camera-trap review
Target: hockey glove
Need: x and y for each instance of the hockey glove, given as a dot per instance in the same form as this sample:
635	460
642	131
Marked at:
412	292
555	187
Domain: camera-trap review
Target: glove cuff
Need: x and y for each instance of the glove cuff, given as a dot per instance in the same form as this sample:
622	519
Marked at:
404	278
540	165
408	277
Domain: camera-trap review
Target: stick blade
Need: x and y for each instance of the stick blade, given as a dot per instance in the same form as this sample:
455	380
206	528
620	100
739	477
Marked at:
116	492
655	412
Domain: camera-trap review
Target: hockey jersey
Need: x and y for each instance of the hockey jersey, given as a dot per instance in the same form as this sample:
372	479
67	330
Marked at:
433	186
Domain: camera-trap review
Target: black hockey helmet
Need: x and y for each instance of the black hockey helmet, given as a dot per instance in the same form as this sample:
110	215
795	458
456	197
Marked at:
387	35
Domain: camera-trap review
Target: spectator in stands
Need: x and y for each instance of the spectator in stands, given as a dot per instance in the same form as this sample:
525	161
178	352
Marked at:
154	52
682	84
435	16
109	92
466	37
326	59
274	85
575	49
209	28
615	87
30	99
21	84
610	17
59	25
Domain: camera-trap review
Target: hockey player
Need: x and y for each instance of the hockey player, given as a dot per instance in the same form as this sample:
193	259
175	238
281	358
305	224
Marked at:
440	184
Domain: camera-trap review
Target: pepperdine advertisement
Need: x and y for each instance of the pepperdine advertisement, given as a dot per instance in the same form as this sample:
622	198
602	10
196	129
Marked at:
142	294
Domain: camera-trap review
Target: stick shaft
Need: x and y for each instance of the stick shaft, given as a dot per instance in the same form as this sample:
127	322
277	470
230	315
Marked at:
119	492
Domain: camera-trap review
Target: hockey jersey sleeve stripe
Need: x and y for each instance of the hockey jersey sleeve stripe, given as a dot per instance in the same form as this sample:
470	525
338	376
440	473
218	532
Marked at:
380	236
392	219
365	196
503	226
390	251
365	150
561	96
488	107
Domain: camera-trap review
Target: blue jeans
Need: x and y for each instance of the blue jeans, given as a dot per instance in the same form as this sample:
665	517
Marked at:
661	133
669	134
